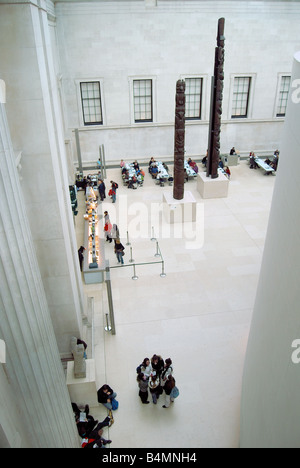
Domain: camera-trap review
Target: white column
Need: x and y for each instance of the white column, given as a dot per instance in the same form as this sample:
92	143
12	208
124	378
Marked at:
32	358
270	409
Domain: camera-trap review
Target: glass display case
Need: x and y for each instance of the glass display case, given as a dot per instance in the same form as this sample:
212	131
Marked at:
94	260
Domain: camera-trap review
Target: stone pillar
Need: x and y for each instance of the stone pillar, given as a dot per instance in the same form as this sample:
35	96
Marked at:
270	410
36	129
32	359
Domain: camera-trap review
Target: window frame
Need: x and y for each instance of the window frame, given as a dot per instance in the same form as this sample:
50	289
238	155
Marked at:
200	115
81	119
232	100
145	96
153	79
278	92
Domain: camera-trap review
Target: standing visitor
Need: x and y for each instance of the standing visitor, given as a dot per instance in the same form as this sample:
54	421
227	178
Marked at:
169	385
80	256
113	190
119	250
101	189
168	370
155	387
143	388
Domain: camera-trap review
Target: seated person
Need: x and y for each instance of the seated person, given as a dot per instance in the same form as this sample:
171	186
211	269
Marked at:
252	162
125	174
232	151
274	163
268	161
221	163
131	183
152	161
204	161
105	396
85	422
161	178
227	171
154	170
136	165
95	439
139	178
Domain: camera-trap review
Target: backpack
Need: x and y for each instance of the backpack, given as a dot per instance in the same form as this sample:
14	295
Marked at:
174	392
114	404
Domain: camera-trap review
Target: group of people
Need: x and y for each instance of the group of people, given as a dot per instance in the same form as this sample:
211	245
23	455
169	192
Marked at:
271	162
132	174
83	182
156	376
112	233
89	429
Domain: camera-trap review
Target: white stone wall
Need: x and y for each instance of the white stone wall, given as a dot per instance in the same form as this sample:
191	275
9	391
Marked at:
168	40
270	409
36	129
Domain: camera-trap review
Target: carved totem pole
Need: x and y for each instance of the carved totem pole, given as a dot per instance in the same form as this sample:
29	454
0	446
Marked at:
178	188
216	105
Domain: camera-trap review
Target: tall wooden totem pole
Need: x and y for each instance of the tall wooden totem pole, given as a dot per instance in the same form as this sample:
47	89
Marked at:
216	105
178	188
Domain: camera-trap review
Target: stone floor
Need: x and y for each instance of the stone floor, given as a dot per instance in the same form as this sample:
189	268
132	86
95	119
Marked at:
198	314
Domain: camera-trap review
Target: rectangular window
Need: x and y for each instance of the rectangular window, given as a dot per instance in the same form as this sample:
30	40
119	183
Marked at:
240	101
142	100
193	98
91	103
283	96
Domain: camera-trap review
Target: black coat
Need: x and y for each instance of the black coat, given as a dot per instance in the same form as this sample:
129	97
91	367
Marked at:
102	396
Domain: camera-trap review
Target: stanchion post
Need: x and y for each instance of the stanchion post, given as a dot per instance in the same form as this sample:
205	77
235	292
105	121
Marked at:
157	251
107	328
153	238
127	243
134	277
131	259
163	274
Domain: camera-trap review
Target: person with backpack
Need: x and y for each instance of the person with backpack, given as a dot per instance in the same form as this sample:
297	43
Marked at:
168	387
168	370
107	396
113	190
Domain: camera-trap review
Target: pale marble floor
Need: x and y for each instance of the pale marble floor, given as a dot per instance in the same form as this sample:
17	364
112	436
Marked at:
198	314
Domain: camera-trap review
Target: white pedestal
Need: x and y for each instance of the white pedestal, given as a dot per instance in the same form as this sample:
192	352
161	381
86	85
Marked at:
230	160
83	391
212	188
179	211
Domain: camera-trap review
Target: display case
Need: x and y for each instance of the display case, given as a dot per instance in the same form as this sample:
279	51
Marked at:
94	259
